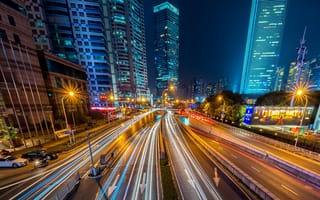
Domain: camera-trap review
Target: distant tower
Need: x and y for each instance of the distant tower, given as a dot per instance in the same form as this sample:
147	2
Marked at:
302	52
166	45
265	31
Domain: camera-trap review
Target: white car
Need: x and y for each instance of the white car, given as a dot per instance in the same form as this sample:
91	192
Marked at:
14	162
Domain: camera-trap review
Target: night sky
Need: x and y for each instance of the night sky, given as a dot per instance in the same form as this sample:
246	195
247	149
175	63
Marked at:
213	36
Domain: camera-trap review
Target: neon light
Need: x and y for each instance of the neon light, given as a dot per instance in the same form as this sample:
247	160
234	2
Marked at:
102	108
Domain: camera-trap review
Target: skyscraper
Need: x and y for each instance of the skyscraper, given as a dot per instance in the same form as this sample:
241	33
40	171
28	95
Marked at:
128	48
166	45
262	51
90	42
73	30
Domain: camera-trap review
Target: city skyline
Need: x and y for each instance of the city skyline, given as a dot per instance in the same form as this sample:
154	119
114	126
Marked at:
213	50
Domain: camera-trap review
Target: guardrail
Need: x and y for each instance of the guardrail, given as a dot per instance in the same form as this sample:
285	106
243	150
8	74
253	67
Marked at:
70	186
298	172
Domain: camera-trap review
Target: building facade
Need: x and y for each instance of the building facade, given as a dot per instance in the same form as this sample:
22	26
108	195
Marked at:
62	76
293	75
127	49
166	46
266	25
59	26
314	80
23	88
91	46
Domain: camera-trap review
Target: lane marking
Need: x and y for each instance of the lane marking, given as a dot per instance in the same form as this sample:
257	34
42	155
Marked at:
234	156
255	169
289	189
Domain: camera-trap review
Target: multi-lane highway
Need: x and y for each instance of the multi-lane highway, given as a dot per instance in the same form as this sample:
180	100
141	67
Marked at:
136	175
197	177
274	180
46	183
132	171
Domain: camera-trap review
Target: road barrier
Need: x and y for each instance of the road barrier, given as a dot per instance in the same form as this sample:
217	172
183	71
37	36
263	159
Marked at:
298	172
62	194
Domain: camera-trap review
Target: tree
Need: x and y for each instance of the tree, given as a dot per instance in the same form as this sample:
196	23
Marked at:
277	98
231	102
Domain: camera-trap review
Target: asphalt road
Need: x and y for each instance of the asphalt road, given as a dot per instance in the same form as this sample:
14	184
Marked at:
197	177
278	182
44	183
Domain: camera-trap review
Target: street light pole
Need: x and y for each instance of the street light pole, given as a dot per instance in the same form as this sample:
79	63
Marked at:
65	117
301	121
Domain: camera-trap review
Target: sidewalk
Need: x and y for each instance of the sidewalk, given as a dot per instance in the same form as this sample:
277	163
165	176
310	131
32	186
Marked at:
49	142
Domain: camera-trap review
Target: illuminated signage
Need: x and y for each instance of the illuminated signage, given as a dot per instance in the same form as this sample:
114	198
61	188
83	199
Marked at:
272	115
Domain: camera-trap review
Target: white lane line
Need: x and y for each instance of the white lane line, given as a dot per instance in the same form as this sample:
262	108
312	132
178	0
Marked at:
289	189
255	169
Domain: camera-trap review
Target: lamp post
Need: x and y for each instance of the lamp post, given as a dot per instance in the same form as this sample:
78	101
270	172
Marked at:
171	88
223	108
65	114
300	93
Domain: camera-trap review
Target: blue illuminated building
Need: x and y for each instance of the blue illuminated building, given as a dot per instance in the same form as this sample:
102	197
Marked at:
90	42
166	46
262	51
314	80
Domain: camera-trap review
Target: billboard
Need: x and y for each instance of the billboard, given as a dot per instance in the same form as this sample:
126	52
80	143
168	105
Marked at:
273	115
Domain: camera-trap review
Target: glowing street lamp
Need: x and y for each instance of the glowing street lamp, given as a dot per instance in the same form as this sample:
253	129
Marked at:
165	94
70	94
300	92
220	98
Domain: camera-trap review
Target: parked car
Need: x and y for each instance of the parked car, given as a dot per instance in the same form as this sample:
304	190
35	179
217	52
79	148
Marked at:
39	154
5	153
40	163
14	162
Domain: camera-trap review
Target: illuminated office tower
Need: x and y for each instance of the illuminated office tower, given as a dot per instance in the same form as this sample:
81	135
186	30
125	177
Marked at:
58	24
314	74
128	52
166	45
262	51
87	26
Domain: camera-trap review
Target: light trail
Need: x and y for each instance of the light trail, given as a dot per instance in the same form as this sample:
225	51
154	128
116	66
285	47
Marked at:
137	140
100	143
200	183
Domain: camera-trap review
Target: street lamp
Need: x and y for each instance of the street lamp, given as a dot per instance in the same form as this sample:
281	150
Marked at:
220	98
64	111
300	92
165	94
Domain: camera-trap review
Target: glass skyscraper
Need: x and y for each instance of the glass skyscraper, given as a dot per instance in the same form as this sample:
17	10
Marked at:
166	46
59	28
262	51
128	48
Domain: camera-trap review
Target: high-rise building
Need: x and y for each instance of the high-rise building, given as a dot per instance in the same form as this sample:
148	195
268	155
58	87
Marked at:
22	86
314	79
198	89
262	51
38	24
74	30
59	28
294	75
128	54
91	46
278	85
166	46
